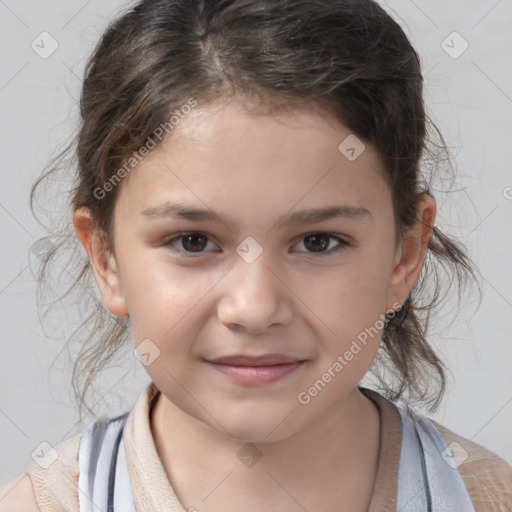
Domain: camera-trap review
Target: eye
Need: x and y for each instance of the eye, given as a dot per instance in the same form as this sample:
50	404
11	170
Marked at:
318	242
190	243
193	244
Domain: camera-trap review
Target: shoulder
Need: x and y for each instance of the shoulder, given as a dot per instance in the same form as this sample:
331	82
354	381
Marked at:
18	494
49	483
487	477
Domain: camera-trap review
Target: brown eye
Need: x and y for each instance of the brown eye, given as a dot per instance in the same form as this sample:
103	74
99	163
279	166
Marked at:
193	242
317	243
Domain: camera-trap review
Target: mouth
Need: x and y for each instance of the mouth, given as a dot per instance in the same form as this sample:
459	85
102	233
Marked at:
263	360
254	371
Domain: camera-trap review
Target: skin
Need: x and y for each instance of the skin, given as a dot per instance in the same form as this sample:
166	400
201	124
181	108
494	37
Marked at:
254	170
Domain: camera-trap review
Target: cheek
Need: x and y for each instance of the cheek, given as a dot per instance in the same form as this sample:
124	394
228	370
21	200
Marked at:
162	299
352	296
351	304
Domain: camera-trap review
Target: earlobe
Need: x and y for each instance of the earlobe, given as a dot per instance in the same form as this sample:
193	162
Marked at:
411	254
103	262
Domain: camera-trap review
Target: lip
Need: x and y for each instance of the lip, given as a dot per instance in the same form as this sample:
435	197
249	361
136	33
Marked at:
263	360
256	371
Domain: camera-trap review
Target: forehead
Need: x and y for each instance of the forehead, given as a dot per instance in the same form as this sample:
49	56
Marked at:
227	156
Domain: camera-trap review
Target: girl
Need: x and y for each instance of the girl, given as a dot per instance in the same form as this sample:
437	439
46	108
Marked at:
253	206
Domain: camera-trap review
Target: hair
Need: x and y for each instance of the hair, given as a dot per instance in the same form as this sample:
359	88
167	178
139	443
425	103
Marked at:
349	58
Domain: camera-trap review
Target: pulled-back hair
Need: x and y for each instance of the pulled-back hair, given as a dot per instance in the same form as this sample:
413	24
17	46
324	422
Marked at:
348	57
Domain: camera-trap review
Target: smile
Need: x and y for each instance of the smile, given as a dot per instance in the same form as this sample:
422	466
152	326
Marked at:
256	375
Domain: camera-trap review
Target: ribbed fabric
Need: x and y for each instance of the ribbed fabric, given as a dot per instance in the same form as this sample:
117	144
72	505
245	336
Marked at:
152	490
487	477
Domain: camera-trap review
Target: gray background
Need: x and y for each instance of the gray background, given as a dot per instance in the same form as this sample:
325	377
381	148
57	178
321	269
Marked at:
469	97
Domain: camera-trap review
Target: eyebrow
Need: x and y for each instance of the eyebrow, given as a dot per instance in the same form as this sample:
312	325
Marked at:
312	215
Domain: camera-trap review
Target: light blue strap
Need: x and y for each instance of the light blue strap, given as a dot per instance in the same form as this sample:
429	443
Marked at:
426	481
96	451
93	464
123	496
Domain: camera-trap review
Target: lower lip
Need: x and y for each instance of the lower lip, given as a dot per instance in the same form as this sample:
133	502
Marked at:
256	375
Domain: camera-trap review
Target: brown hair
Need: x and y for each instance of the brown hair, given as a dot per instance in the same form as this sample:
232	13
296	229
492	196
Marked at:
348	57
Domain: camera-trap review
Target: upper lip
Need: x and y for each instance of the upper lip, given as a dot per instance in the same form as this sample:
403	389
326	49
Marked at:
264	360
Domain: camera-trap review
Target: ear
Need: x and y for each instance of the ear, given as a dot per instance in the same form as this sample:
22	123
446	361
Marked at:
411	252
102	261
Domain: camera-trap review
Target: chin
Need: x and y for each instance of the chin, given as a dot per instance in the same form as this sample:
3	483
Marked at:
250	425
253	434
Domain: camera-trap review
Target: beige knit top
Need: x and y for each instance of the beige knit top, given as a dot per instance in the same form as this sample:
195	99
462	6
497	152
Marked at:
487	477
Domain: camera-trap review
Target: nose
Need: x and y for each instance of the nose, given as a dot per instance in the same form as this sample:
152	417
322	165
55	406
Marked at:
254	297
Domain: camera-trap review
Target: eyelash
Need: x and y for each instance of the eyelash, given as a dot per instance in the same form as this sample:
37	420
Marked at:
343	244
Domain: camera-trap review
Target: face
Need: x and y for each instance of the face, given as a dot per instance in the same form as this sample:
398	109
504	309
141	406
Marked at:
256	273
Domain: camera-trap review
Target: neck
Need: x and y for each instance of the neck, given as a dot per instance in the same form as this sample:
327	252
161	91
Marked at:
328	455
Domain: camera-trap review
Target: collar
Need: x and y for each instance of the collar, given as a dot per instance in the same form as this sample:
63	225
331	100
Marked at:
153	491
